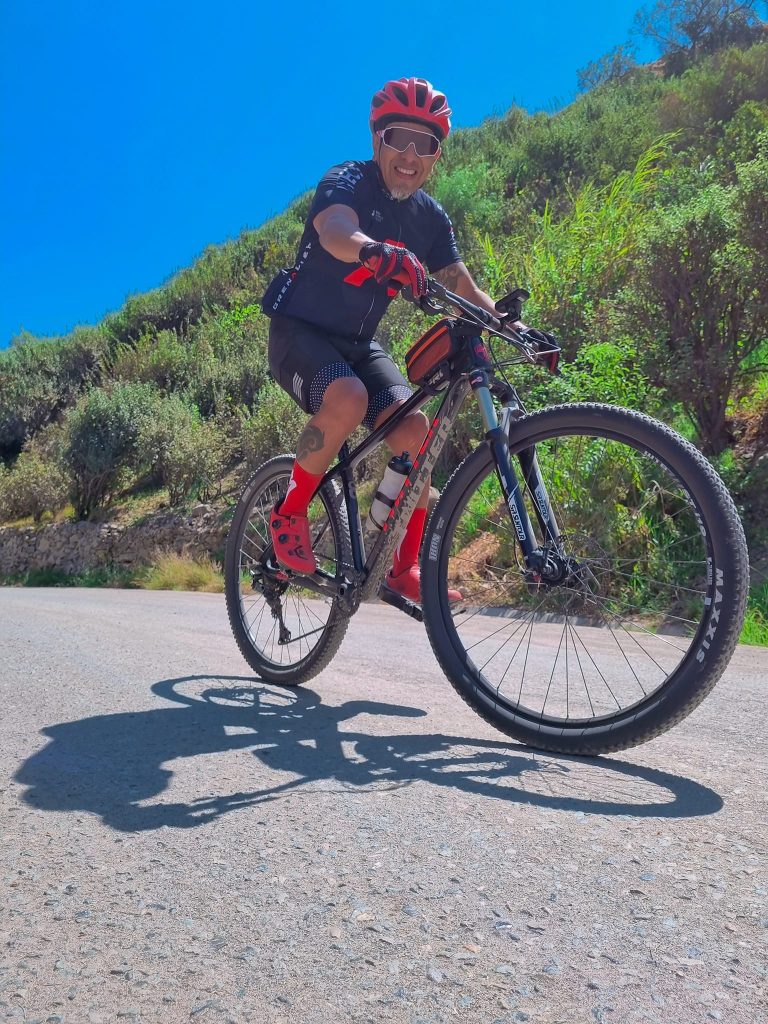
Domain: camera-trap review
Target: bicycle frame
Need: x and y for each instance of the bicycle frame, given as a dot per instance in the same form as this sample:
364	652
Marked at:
498	434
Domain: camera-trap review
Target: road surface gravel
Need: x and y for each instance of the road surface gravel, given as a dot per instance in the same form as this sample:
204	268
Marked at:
183	843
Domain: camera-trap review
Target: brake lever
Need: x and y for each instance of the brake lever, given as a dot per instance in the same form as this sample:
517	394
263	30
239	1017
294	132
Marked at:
429	305
425	302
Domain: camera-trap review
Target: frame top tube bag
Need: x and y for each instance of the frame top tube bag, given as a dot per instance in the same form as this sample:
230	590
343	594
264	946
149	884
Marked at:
428	356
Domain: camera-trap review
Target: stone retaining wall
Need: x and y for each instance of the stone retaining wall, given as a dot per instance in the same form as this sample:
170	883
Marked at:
77	547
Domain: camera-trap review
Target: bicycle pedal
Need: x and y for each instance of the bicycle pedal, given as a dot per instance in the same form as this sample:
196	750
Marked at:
398	601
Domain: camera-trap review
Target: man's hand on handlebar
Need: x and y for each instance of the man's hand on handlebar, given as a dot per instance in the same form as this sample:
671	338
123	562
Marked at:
394	263
543	339
545	344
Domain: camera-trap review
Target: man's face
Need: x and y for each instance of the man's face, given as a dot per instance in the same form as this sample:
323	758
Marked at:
406	172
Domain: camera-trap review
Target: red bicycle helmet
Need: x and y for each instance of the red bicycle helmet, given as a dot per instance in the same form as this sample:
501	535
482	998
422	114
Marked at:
411	99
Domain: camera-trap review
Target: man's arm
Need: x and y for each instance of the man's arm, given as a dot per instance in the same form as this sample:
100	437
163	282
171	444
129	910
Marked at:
340	235
456	278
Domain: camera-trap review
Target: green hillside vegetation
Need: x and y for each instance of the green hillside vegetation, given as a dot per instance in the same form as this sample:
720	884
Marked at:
637	217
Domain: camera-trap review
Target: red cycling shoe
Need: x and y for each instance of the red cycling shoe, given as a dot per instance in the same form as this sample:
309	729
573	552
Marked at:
292	542
408	585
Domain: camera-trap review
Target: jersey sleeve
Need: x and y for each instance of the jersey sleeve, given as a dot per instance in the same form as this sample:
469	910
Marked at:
443	251
343	185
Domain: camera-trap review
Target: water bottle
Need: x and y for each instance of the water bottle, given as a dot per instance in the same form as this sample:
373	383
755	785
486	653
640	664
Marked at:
397	470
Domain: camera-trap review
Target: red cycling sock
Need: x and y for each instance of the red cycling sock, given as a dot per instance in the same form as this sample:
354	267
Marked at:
407	554
301	488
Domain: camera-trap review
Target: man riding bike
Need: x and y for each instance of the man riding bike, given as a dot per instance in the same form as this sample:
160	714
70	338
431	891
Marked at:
370	231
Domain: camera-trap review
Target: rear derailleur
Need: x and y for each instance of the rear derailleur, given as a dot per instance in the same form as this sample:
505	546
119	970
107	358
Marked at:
273	583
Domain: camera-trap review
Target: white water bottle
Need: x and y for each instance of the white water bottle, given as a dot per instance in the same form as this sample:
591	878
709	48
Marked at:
391	483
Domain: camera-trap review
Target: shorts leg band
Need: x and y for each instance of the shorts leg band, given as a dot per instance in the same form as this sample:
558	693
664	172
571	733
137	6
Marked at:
383	399
323	379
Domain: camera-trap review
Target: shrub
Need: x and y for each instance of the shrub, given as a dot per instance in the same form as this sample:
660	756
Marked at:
186	454
41	377
4	474
742	135
100	447
467	193
755	629
162	359
35	485
584	255
272	428
697	299
228	360
603	371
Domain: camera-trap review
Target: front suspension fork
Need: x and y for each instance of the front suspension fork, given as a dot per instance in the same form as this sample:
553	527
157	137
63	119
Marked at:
497	435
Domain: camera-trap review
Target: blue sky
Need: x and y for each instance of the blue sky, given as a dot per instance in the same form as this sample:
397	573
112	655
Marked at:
133	134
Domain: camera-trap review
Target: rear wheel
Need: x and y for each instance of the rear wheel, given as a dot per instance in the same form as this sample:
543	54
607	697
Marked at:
640	609
286	633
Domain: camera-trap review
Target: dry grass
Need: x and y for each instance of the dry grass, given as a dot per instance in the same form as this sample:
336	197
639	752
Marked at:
173	571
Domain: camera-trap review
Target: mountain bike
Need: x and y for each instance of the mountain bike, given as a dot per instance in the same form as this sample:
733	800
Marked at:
602	563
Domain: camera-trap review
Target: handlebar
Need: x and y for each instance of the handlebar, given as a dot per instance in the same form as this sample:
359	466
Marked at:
533	350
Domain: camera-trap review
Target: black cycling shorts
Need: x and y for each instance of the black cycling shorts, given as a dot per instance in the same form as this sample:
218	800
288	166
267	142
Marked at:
305	359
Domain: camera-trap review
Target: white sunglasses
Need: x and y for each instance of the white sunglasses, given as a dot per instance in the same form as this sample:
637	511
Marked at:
399	139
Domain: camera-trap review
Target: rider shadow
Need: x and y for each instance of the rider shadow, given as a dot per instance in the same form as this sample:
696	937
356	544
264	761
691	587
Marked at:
112	765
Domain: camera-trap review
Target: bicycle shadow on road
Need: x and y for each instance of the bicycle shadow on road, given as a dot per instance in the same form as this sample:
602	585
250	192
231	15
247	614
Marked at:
113	765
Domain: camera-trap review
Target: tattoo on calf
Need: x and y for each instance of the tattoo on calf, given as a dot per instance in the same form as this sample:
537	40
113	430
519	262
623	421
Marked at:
312	440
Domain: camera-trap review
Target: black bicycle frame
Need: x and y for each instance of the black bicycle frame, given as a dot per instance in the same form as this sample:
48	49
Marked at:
497	435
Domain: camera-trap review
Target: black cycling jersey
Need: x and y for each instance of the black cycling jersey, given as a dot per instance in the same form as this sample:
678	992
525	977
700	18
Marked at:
343	297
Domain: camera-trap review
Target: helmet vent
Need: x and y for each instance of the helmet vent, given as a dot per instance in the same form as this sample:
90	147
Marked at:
437	103
401	94
421	95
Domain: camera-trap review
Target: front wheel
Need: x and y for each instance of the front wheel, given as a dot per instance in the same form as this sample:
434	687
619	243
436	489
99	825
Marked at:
285	633
641	617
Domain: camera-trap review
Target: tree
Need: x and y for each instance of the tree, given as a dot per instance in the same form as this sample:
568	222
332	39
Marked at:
698	26
610	67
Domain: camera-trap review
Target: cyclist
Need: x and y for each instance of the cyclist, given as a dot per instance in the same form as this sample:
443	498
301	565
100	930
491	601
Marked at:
370	230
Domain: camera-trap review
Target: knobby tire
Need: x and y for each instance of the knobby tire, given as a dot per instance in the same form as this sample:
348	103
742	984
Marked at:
648	614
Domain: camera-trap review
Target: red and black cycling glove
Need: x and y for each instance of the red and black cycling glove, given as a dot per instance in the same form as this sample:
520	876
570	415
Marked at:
394	263
547	346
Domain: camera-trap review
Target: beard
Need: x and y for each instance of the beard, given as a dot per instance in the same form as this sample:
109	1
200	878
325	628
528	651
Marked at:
401	193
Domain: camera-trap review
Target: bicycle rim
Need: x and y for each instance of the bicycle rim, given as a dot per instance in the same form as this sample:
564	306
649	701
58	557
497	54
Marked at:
628	615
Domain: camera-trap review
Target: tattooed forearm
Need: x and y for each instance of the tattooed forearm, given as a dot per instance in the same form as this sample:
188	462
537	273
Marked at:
456	278
312	440
450	277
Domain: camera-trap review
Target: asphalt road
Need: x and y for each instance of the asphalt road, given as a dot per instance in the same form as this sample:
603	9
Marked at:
183	843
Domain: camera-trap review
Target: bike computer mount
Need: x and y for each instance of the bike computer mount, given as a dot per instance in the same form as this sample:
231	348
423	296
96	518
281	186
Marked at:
512	305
